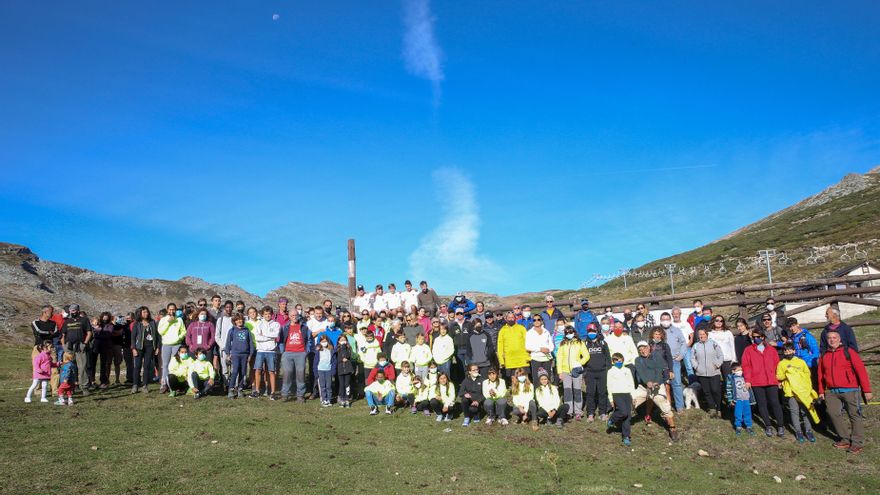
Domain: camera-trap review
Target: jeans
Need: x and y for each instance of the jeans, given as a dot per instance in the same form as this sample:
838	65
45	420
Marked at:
325	385
572	394
225	367
199	383
769	396
799	416
742	413
496	408
293	363
851	428
238	375
677	387
374	400
622	411
344	387
143	366
688	366
168	351
597	392
445	368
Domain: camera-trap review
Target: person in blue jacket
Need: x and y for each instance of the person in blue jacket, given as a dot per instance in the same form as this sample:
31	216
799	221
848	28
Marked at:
805	345
583	318
460	301
847	336
238	349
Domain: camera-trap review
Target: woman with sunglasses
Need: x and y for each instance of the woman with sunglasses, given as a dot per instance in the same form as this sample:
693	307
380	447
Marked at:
724	338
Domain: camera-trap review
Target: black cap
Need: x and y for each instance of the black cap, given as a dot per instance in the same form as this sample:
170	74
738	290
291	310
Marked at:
360	287
585	302
489	314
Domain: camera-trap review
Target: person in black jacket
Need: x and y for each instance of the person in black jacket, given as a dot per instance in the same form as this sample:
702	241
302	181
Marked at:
144	348
471	394
595	372
742	338
344	371
480	348
76	334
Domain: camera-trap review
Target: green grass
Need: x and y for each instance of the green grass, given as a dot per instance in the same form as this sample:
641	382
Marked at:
155	444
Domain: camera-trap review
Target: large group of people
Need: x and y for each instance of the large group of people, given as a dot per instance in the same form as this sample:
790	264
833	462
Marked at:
412	351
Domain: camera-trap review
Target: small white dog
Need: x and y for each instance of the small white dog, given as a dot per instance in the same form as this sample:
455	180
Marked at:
691	396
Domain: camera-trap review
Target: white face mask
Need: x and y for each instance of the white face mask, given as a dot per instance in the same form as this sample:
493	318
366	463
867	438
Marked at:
527	314
432	371
698	309
606	327
521	379
771	307
665	323
640	324
325	344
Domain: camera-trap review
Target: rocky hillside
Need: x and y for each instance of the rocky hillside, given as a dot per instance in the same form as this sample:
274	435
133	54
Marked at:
27	282
837	227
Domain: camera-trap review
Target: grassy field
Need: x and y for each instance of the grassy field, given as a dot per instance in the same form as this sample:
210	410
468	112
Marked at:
112	442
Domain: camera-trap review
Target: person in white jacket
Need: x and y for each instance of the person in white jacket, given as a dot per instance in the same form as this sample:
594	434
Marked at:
550	406
622	343
266	332
539	345
620	386
722	336
495	397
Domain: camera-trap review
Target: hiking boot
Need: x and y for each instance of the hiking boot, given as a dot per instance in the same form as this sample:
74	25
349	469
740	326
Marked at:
768	432
799	437
780	432
811	437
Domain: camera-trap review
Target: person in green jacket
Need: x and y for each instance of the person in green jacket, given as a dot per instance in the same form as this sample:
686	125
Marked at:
200	374
172	331
178	371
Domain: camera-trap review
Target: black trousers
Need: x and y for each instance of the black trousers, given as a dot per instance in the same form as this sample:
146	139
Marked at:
765	396
711	386
597	392
144	366
622	411
558	417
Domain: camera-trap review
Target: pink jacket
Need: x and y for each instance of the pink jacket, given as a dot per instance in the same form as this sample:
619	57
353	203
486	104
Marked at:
43	366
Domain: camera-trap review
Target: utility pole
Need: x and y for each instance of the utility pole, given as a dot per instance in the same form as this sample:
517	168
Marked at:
352	278
670	267
766	254
624	270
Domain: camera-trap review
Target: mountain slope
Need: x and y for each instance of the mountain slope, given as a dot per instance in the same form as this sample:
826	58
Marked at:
835	228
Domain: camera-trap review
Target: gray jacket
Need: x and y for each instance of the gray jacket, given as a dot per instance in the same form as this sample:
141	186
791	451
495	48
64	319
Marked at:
706	358
677	342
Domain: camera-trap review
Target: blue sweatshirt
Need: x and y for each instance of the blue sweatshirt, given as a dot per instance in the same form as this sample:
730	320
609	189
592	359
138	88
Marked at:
239	342
332	333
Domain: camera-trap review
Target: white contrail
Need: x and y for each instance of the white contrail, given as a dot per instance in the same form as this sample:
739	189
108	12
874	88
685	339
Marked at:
447	256
420	49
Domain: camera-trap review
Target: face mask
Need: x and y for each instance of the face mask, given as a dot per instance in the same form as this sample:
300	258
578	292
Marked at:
203	317
178	313
640	324
527	314
569	336
184	356
757	340
591	335
656	340
202	357
424	291
771	307
698	309
383	363
618	364
608	314
665	323
606	327
761	347
618	332
325	344
342	342
521	379
787	356
478	328
738	373
475	374
432	371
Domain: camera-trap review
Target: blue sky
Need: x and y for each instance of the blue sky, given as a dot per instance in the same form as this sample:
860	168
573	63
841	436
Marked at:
497	146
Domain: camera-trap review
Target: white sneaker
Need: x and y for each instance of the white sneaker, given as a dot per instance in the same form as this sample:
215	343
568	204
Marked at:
489	421
43	399
70	401
504	422
27	400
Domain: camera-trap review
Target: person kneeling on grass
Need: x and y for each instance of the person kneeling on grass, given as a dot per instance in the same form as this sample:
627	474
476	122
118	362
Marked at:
523	396
381	391
444	398
550	407
471	394
422	395
620	388
740	398
650	371
495	393
797	387
178	371
200	375
403	385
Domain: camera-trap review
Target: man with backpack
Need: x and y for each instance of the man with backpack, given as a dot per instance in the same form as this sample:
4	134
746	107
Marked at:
842	380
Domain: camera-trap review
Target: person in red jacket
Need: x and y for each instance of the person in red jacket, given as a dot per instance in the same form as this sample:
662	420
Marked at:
759	363
382	365
841	374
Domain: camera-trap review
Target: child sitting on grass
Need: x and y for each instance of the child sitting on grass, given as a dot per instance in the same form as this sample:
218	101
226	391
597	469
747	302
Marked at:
42	366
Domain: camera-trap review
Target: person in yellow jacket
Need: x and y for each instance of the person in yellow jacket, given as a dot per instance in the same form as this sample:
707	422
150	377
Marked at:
571	356
550	407
495	397
797	386
421	356
522	394
443	349
422	394
443	400
178	371
200	374
512	354
172	331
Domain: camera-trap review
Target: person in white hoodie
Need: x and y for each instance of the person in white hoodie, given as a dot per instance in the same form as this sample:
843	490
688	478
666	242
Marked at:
620	388
266	332
622	343
539	345
724	338
223	327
